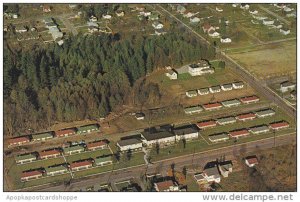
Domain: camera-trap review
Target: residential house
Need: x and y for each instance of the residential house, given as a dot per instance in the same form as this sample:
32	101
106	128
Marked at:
159	32
279	125
181	9
93	19
244	6
203	91
226	120
103	160
51	25
158	137
225	39
249	99
157	25
92	29
21	29
187	132
197	69
206	27
286	86
73	149
225	168
238	85
213	33
206	124
215	89
153	16
25	158
46	8
210	70
107	17
209	175
287	9
129	144
31	175
92	146
56	170
172	74
50	153
194	20
166	186
65	132
246	117
253	11
234	5
191	93
140	116
120	13
212	106
218	137
251	161
17	141
265	113
268	22
193	109
239	133
231	103
87	129
219	9
277	24
42	136
188	15
226	87
259	129
81	165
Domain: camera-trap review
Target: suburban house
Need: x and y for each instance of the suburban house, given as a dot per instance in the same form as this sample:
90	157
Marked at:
17	141
139	116
46	9
225	39
226	120
65	132
88	129
191	93
172	74
73	150
265	113
212	106
225	168
285	31
251	161
197	69
157	25
103	160
206	124
219	9
160	137
81	165
239	133
30	175
213	33
25	158
279	125
249	99
286	86
238	85
187	132
246	117
194	20
268	22
93	19
244	6
259	129
193	109
207	27
42	136
226	87
120	13
129	144
52	153
215	89
203	91
153	16
181	9
166	186
91	146
231	103
56	170
107	17
208	175
253	11
21	29
218	137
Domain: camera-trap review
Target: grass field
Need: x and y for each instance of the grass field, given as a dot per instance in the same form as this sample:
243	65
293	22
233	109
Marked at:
86	155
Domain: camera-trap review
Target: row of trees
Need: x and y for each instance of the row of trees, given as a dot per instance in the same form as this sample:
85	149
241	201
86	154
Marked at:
87	77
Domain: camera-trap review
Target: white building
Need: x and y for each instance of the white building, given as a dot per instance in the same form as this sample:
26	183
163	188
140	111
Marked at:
158	137
238	85
285	31
286	86
172	74
214	34
129	144
186	132
225	40
166	186
93	19
268	22
107	17
157	25
209	175
251	161
197	69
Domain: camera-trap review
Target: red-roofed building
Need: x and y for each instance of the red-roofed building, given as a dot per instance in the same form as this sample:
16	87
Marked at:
17	141
49	154
251	161
246	117
206	124
96	145
279	125
81	165
239	133
207	27
30	175
65	132
212	106
249	99
168	185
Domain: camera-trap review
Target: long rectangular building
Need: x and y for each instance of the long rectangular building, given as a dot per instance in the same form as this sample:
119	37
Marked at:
42	136
56	170
186	132
160	137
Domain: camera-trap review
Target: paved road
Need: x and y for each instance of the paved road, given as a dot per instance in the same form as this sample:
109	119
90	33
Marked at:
197	159
274	14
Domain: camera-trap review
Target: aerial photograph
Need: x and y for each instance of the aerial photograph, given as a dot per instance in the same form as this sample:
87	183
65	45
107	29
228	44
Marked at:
149	97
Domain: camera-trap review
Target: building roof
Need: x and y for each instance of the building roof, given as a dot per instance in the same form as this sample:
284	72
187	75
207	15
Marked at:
252	160
19	139
265	112
192	92
199	176
88	127
139	114
226	119
231	102
31	173
96	144
239	132
239	83
102	159
229	85
212	171
287	84
55	168
165	185
80	163
186	129
226	165
157	135
249	98
49	152
65	131
42	135
25	157
204	90
127	142
215	88
246	116
259	128
279	124
193	108
218	136
73	148
206	123
212	105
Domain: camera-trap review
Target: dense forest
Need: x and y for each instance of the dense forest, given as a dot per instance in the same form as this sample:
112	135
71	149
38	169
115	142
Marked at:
86	78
